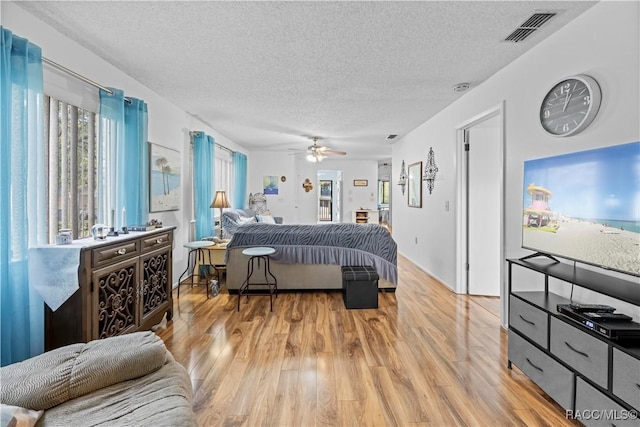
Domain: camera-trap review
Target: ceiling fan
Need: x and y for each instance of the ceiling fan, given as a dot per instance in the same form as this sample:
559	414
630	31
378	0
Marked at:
317	153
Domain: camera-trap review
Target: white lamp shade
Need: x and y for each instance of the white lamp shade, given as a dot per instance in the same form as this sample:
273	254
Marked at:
220	200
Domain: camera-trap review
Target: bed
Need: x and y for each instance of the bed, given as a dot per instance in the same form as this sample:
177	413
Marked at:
310	256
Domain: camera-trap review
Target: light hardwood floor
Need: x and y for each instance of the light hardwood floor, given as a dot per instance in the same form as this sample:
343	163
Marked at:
426	357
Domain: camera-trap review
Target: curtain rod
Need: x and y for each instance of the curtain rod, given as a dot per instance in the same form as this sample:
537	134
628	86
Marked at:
99	86
225	148
79	77
197	133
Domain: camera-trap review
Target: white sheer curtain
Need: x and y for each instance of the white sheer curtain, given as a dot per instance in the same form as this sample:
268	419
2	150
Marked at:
223	171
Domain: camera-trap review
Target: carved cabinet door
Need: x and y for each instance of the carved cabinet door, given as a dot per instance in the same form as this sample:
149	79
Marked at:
155	285
115	299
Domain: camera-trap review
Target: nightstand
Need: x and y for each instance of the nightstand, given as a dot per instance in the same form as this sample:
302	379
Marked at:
196	254
215	257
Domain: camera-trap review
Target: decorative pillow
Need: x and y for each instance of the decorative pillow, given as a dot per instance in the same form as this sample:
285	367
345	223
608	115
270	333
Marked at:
15	416
68	372
246	220
266	219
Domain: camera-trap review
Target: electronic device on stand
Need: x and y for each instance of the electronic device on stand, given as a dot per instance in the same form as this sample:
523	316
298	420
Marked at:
602	319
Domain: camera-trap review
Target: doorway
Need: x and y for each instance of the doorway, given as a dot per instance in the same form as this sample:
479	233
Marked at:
480	245
325	200
329	196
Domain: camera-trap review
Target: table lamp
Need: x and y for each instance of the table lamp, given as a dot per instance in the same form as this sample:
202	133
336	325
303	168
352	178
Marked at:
220	201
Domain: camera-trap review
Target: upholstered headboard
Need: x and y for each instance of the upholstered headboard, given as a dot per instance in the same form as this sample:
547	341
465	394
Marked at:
233	218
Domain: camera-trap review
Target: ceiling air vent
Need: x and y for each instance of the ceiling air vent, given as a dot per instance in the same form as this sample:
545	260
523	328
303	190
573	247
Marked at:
527	28
391	136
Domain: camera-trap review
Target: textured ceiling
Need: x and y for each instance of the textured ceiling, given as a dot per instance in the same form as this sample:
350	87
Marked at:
270	74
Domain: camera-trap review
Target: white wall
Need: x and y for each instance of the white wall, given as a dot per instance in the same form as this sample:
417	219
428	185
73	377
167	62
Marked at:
306	202
168	125
271	163
592	44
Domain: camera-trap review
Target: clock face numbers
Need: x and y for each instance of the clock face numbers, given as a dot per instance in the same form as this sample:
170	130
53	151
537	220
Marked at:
569	107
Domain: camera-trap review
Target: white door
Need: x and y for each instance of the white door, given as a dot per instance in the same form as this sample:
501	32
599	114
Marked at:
484	192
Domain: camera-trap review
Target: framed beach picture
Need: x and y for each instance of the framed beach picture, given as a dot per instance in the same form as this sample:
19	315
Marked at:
270	184
414	185
164	178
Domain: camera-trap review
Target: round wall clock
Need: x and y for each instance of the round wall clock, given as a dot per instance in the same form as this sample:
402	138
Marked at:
570	106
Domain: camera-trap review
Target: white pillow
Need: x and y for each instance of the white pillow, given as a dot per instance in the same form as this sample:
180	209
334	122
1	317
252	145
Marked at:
266	219
245	220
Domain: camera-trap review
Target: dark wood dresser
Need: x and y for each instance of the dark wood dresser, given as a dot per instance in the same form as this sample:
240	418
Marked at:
125	285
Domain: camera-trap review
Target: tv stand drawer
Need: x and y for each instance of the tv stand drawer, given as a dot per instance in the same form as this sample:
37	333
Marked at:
529	320
584	353
593	408
551	376
626	378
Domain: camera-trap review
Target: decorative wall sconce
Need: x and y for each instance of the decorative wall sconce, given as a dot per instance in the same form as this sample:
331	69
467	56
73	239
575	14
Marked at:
430	170
307	185
402	182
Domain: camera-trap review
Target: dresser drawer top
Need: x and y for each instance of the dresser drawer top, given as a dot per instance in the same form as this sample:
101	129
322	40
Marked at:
121	247
113	253
157	240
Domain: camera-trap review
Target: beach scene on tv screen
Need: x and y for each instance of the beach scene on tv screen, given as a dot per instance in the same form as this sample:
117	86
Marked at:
585	206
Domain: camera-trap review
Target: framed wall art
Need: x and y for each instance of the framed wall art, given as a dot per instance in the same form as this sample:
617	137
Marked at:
164	178
414	185
270	184
360	182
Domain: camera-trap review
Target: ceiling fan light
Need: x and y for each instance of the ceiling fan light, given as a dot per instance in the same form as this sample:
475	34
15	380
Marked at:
317	153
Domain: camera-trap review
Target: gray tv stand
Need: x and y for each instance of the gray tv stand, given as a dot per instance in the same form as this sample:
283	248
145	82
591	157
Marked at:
595	379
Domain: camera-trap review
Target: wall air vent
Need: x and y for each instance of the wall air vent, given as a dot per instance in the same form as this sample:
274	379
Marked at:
529	26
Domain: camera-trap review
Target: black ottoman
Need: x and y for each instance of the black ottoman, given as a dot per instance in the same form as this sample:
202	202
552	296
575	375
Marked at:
360	286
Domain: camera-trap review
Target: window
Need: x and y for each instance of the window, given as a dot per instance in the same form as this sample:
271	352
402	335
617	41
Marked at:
223	174
70	162
383	193
223	179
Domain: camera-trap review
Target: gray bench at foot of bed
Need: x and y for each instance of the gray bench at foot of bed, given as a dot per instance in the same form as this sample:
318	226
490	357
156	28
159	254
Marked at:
291	276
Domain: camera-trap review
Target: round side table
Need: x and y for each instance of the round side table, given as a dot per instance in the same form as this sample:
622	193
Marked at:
195	256
257	254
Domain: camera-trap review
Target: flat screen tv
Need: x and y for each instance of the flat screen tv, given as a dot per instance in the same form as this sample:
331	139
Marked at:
585	207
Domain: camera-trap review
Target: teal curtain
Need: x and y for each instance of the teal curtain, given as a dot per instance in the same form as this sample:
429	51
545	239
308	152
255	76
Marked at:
134	179
203	155
111	186
239	180
123	156
22	181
